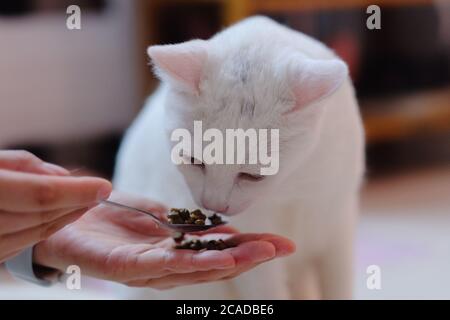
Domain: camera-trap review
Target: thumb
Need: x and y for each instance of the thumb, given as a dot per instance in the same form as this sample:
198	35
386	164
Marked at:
24	161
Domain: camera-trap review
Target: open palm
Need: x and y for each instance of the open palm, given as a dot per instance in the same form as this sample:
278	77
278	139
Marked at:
129	247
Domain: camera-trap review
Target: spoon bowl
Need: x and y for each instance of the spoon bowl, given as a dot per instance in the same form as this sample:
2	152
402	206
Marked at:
184	228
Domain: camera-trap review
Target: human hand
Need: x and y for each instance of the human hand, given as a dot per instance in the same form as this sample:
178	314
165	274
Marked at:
129	247
38	198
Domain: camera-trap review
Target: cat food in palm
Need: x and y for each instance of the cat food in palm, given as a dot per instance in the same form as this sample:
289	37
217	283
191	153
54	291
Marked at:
201	245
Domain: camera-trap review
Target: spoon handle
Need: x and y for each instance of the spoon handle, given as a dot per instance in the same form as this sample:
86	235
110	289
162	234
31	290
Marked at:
123	206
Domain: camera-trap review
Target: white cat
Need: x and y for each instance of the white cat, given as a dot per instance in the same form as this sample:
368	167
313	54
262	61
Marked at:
288	81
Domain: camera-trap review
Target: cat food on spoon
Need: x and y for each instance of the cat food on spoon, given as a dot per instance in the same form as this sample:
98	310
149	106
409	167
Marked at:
184	216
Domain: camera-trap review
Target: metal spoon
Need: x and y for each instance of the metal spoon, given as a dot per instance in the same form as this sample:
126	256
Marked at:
184	228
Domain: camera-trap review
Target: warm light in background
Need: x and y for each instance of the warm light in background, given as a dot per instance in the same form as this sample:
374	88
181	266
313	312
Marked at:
68	96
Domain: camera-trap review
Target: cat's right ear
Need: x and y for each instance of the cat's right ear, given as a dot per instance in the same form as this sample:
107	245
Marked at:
180	64
313	80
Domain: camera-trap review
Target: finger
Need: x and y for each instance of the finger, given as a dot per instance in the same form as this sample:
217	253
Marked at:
219	229
169	262
15	221
240	271
160	261
245	263
252	252
25	238
20	160
31	192
185	261
260	251
282	245
247	257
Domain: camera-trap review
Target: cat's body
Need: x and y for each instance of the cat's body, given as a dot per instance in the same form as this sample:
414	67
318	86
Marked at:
313	200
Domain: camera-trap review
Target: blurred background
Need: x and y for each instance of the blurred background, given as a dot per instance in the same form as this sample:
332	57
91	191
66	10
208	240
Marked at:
68	95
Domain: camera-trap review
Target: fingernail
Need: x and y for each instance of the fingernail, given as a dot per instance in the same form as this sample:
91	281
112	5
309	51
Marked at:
104	193
53	168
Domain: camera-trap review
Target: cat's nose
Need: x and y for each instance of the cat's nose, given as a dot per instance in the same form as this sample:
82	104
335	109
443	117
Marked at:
215	208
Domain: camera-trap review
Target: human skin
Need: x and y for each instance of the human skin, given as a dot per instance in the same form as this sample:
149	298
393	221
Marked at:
40	201
129	247
38	198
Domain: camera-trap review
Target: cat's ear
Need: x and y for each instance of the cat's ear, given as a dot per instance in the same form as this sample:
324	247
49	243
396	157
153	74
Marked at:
181	64
312	80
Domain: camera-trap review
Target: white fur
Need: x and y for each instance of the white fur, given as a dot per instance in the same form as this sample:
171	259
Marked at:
296	84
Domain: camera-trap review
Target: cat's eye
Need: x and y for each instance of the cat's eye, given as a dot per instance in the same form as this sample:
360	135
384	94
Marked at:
250	177
197	163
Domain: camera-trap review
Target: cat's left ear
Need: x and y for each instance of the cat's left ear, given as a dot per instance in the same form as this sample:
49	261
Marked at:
313	80
180	64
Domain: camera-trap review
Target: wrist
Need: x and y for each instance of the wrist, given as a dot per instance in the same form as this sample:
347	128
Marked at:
43	257
44	265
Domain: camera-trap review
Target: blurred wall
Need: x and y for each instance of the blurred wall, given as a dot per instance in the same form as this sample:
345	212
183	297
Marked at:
58	84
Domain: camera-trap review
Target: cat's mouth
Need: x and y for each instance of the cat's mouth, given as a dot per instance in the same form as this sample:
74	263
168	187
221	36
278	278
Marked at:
229	210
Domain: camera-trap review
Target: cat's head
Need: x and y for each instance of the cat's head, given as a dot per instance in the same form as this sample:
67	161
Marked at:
243	89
